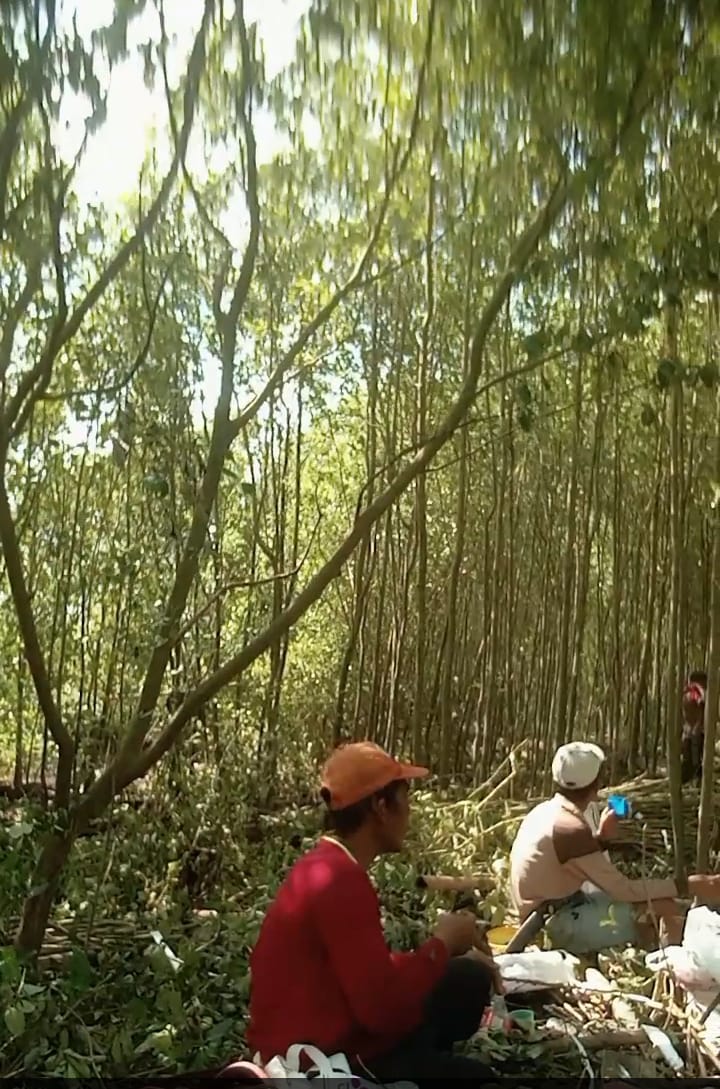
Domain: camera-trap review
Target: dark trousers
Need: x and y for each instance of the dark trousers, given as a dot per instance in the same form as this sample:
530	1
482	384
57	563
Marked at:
691	755
453	1013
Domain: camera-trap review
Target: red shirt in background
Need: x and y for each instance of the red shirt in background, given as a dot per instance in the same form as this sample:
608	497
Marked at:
321	971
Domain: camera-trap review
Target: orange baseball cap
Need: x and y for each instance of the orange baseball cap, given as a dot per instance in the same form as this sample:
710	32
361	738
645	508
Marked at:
357	770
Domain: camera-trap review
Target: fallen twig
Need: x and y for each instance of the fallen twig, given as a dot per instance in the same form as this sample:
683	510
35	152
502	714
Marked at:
595	1041
439	883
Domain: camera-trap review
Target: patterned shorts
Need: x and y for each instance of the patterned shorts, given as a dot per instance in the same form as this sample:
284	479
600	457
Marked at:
596	923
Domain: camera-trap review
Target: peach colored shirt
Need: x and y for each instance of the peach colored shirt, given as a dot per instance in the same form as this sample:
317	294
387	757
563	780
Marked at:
555	853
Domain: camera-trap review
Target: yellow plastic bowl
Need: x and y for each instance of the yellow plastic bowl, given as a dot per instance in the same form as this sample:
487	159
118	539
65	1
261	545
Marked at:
500	936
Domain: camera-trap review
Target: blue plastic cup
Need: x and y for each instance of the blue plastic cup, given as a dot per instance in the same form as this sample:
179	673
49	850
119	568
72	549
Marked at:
620	806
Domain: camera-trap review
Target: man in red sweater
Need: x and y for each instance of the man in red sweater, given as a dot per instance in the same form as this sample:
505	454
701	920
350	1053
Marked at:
322	973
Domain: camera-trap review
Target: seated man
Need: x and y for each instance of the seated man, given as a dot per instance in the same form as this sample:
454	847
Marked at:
321	970
556	854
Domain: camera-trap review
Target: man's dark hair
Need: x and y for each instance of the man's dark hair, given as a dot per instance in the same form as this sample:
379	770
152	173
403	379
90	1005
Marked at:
343	822
575	794
698	677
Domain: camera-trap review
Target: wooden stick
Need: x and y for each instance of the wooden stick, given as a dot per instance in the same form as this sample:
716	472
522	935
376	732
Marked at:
711	1008
490	783
596	1041
437	883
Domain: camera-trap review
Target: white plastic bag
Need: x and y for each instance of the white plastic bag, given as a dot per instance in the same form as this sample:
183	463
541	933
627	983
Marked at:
696	963
536	970
683	964
701	937
287	1069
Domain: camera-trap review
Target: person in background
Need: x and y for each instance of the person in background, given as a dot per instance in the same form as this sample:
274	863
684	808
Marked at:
321	971
693	727
556	853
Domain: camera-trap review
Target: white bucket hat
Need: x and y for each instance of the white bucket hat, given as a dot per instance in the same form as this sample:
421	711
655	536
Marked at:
577	764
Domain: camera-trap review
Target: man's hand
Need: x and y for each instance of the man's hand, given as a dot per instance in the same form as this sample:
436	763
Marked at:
489	962
705	886
609	824
457	931
481	942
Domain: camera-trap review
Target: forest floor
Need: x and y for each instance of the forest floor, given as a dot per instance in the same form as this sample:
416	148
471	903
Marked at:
145	968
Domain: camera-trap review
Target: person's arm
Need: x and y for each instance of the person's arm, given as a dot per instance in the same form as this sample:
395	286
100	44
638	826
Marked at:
597	868
579	850
606	832
383	992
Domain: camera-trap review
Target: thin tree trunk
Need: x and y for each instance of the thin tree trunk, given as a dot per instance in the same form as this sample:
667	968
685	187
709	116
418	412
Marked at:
446	699
419	706
712	699
569	569
674	663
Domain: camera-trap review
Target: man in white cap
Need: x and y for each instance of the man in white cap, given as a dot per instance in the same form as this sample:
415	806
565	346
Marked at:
558	855
584	760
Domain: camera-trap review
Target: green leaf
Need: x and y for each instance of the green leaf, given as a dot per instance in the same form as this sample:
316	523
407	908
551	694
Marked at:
582	341
526	418
160	1042
667	371
119	1048
10	971
19	830
15	1021
523	394
633	321
169	1000
222	1030
32	989
535	344
157	485
709	375
81	973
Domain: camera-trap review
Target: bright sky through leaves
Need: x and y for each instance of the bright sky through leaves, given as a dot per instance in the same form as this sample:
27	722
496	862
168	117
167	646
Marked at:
137	116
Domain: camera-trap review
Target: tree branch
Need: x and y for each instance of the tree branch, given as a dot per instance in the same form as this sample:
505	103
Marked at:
228	326
246	584
124	770
21	404
35	382
33	651
114	388
199	203
220	441
356	277
33	279
524	369
522	251
10	135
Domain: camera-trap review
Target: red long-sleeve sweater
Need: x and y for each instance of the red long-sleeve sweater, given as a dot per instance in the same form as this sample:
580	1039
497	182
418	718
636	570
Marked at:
321	972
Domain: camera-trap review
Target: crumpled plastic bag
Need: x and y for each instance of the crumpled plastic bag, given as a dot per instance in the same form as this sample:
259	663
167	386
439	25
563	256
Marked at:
536	970
683	964
702	938
696	963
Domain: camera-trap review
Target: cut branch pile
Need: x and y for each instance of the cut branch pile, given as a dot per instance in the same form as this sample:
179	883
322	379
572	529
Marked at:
603	1028
614	1025
651	829
104	935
